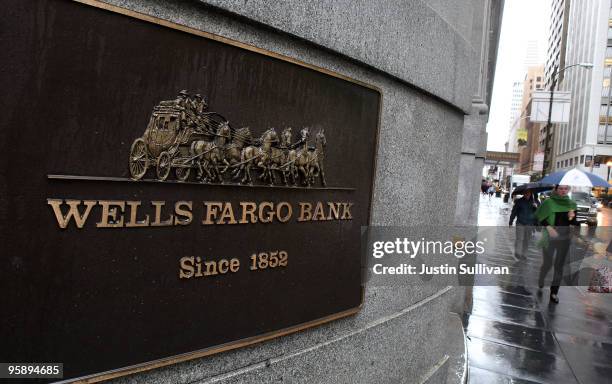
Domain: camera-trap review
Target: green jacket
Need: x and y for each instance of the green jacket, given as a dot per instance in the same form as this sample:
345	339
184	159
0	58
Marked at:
548	209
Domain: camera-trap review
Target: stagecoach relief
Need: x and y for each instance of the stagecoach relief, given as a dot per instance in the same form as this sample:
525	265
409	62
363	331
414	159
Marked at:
183	136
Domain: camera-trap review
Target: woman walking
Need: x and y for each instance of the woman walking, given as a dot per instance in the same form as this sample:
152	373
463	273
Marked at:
556	214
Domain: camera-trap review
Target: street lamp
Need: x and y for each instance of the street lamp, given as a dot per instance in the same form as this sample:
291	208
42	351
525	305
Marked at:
556	72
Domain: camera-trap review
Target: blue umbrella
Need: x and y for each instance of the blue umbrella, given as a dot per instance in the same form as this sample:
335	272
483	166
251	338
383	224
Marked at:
576	178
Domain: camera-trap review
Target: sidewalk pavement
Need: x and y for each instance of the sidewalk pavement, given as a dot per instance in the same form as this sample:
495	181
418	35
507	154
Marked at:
516	336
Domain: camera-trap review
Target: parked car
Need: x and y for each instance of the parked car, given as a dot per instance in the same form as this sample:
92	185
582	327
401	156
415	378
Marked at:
586	208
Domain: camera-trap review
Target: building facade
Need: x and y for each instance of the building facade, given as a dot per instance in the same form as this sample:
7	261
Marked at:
515	107
557	39
586	137
533	54
534	81
434	63
524	136
555	57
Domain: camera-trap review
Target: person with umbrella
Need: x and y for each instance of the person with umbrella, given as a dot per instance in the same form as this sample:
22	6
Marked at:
556	214
524	213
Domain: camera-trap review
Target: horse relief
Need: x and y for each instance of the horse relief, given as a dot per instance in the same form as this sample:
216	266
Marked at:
183	136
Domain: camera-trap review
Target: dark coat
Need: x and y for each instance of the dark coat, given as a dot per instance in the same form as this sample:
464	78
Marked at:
523	211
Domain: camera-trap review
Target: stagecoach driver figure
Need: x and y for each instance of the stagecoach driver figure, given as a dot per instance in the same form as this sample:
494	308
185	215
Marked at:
199	104
182	98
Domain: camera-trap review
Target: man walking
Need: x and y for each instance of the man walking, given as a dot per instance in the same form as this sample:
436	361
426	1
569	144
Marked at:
524	212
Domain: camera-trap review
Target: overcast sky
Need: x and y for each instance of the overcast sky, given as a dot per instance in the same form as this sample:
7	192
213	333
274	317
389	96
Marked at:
523	20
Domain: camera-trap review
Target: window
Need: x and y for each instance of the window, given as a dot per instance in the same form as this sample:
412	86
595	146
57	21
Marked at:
576	160
571	161
539	78
581	159
601	134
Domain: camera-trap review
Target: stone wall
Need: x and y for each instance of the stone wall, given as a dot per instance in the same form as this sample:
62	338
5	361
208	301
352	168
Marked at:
427	58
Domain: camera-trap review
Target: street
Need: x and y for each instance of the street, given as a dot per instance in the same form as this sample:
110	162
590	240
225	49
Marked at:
516	336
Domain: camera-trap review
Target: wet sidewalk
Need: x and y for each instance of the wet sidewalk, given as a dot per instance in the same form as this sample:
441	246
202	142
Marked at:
516	336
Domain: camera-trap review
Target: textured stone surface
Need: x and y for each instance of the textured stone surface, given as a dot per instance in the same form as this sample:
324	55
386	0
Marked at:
386	34
474	129
457	351
391	348
401	333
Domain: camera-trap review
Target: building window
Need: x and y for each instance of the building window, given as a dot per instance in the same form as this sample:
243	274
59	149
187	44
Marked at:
581	159
557	164
576	160
565	163
571	161
601	133
539	78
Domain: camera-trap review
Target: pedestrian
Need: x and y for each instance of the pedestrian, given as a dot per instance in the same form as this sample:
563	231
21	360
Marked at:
491	191
556	214
524	213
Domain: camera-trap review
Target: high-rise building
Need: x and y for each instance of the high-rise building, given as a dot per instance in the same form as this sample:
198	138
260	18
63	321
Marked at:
517	98
588	135
555	58
557	38
533	54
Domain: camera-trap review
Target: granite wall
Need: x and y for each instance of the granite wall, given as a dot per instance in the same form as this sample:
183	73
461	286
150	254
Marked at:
432	61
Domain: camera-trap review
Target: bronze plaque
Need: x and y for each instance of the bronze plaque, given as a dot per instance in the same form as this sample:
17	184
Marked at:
167	194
